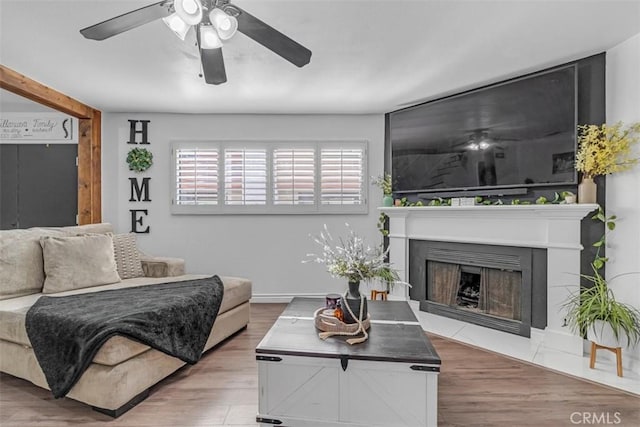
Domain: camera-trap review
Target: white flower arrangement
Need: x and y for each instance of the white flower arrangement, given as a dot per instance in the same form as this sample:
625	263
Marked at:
352	259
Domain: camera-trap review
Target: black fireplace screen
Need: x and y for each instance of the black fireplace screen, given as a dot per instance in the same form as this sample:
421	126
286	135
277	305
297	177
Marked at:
485	290
499	287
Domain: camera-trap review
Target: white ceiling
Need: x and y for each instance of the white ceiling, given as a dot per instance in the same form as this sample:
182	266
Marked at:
368	56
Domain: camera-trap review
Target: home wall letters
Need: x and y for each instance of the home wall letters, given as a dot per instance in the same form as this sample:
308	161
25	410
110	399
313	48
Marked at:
139	190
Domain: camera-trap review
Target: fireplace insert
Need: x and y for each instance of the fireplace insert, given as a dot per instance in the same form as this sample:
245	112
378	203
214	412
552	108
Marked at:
500	287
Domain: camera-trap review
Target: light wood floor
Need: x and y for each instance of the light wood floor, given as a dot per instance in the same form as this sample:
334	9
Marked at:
476	388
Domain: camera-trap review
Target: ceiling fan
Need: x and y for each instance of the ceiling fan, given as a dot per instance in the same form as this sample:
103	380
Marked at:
214	21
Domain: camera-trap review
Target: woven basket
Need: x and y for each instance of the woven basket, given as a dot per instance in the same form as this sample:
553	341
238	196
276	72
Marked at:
329	323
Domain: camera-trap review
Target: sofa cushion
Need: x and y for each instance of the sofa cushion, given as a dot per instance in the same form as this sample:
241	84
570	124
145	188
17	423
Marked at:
21	269
127	256
78	262
237	290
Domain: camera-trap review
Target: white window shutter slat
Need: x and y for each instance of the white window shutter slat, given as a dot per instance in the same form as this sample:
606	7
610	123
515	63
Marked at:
196	176
341	177
293	176
245	176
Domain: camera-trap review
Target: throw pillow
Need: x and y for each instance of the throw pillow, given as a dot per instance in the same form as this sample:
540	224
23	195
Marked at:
100	228
78	262
21	269
127	256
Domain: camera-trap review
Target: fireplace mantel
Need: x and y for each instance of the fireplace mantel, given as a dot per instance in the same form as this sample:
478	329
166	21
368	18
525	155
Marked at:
495	211
553	227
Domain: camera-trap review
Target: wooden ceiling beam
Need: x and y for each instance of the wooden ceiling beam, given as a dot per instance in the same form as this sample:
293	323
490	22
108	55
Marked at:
24	86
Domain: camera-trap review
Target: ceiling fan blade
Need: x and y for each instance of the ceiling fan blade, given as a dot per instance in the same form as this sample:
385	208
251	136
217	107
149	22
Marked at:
271	38
213	66
128	21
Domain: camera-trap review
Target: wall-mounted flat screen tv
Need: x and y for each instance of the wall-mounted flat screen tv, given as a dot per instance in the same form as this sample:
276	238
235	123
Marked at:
519	133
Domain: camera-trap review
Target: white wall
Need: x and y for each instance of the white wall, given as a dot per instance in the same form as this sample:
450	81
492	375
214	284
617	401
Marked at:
623	189
268	249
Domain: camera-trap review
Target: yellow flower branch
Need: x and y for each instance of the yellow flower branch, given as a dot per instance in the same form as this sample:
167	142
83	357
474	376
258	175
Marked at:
606	149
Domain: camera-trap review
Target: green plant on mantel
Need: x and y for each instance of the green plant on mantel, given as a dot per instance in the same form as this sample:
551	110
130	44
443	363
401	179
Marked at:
597	302
558	199
404	202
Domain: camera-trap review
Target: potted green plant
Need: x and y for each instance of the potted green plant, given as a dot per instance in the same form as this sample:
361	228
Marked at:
594	310
384	182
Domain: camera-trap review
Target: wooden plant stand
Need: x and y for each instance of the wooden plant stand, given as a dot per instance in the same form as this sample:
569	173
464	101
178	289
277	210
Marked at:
616	350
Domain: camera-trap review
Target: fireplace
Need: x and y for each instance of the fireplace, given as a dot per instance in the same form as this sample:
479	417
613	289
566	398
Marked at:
550	232
499	287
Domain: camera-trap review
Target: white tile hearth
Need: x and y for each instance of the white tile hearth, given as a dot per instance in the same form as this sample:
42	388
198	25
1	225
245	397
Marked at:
529	350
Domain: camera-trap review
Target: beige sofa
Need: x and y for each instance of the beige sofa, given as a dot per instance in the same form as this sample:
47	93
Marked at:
123	370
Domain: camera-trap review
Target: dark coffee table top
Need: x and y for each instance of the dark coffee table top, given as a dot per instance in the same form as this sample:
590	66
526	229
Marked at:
394	336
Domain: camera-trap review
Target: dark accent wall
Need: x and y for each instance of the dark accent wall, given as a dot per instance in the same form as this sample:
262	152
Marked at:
592	110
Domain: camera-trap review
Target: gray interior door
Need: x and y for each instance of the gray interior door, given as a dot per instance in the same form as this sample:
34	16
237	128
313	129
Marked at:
38	185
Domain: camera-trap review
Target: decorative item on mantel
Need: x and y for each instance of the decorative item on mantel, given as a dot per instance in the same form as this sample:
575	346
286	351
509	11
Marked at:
384	182
603	150
351	259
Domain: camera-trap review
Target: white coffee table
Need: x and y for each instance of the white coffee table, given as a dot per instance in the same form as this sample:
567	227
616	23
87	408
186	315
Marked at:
390	380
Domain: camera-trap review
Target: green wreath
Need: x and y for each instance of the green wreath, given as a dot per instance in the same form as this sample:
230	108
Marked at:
139	159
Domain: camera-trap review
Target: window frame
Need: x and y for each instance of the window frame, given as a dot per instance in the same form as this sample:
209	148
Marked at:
269	208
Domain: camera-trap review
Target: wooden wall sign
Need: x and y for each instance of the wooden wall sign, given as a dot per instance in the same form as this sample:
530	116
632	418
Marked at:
16	128
139	188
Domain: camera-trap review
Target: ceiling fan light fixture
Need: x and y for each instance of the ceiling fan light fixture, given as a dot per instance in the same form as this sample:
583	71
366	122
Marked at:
190	11
177	25
225	24
484	141
209	38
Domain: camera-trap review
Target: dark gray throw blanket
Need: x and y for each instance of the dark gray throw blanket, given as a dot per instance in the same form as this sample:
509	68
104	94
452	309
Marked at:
67	332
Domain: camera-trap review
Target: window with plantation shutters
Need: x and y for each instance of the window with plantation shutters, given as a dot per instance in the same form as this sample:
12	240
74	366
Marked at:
294	176
245	176
341	176
197	176
268	177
